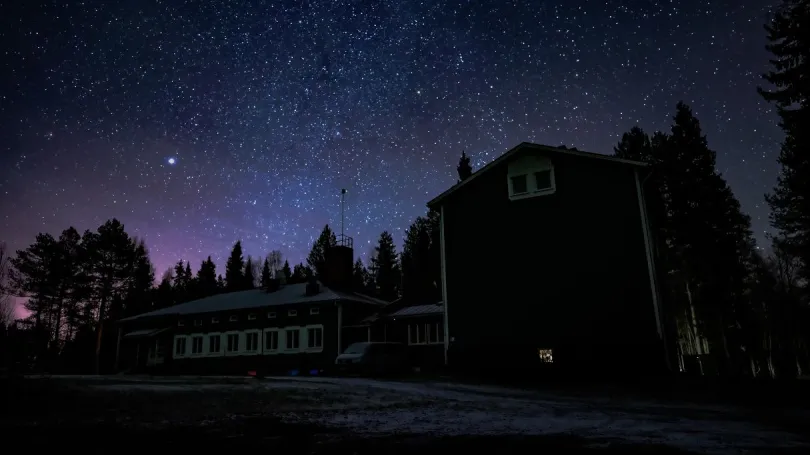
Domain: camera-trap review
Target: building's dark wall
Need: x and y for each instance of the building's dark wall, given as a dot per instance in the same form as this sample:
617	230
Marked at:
241	363
566	271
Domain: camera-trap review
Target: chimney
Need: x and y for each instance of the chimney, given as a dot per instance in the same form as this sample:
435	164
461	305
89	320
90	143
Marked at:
340	264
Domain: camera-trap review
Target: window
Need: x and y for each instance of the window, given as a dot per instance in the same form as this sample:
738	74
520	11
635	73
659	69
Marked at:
315	338
233	342
197	345
428	333
180	346
542	180
181	323
271	340
214	320
271	315
233	318
530	176
519	184
292	339
292	313
251	317
314	311
214	344
252	341
198	323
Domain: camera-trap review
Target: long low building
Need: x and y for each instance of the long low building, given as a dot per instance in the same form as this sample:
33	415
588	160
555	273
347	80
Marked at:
294	327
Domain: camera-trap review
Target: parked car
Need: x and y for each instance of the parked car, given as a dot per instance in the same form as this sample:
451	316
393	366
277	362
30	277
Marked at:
373	358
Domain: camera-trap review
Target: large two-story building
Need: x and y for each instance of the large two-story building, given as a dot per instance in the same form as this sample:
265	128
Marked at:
569	275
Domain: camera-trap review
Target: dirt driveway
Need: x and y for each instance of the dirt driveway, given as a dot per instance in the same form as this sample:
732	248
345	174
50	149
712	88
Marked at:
337	415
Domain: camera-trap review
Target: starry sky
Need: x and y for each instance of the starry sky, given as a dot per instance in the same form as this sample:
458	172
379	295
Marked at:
197	123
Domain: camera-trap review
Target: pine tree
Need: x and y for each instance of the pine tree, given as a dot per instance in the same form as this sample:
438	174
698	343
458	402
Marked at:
385	268
287	272
317	256
235	269
207	279
110	262
164	294
464	168
32	276
141	282
182	283
299	274
359	276
265	281
249	276
789	43
220	283
418	284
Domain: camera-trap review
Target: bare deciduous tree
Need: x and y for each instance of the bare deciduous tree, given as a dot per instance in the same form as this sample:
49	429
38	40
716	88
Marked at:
276	261
7	301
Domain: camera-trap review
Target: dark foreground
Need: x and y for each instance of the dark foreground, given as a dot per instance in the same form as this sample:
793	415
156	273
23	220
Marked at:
97	415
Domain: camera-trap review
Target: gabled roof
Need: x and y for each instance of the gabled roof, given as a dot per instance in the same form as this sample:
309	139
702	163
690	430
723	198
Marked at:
257	298
522	147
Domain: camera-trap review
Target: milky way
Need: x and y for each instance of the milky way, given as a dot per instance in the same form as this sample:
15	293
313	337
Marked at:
198	123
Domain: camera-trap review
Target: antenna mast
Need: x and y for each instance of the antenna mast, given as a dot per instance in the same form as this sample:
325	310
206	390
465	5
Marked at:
342	210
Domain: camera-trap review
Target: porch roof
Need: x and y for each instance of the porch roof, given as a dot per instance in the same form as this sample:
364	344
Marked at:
418	310
145	333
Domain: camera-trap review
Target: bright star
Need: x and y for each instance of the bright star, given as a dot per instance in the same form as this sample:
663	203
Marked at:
172	160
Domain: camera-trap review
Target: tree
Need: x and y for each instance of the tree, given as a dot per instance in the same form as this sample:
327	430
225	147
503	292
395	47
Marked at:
7	304
789	43
317	256
275	259
235	269
385	268
265	280
249	276
139	289
464	168
110	259
220	283
299	274
359	276
207	279
182	282
164	294
418	280
286	271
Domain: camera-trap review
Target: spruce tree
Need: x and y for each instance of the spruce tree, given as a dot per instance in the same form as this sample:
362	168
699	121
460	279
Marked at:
464	168
359	276
139	293
386	268
299	274
418	283
789	43
207	278
265	280
235	269
317	256
249	276
287	271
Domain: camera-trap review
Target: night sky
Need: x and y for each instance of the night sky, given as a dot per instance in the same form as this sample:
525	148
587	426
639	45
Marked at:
198	123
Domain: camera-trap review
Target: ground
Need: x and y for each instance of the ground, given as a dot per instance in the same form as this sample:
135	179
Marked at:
358	416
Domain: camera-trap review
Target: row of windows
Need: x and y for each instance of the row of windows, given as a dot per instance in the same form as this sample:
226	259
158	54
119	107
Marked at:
542	183
428	333
250	342
251	317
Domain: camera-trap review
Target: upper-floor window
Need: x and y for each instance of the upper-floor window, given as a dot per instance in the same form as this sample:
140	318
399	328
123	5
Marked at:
251	317
197	322
214	320
233	318
292	313
314	311
530	176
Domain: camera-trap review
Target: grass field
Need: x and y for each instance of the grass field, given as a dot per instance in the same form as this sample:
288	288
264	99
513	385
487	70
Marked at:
357	416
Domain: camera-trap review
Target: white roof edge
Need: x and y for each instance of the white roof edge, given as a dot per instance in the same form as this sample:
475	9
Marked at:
526	145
